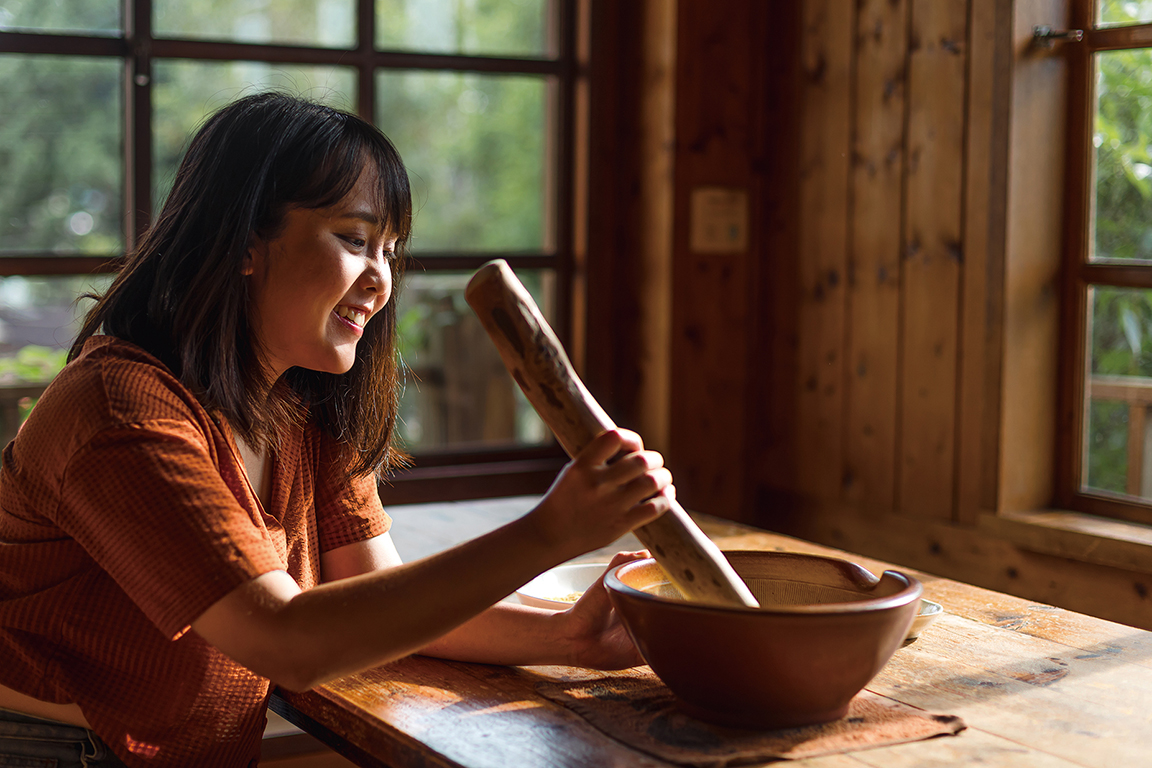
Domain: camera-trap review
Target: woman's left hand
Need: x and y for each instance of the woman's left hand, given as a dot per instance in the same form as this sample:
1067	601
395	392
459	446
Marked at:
597	634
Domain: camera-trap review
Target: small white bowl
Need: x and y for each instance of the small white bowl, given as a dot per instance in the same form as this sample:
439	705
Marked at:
929	612
561	586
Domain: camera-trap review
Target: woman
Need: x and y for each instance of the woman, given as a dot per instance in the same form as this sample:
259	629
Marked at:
190	513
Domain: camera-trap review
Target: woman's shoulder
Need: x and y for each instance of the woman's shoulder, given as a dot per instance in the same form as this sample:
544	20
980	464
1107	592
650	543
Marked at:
113	381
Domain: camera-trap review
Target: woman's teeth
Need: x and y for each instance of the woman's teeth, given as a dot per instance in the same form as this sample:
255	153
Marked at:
353	315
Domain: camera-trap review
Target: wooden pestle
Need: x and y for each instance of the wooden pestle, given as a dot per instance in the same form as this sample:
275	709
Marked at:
538	363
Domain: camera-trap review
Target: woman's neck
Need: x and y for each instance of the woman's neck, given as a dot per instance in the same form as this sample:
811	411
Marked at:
256	464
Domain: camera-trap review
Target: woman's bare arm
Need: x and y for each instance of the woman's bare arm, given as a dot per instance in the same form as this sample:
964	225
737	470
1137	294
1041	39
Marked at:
509	633
299	639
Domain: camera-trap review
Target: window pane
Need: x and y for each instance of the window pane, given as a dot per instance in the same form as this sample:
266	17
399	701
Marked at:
476	151
1119	392
39	319
186	92
1123	140
60	154
89	16
1112	13
483	27
326	23
458	393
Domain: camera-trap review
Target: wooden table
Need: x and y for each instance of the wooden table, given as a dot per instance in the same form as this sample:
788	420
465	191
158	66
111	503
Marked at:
1036	685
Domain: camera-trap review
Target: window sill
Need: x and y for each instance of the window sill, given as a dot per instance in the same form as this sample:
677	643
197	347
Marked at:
456	482
1075	535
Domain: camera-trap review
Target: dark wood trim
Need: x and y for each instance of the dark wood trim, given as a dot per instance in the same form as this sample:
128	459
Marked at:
1078	188
1111	505
34	43
1114	38
223	50
562	172
365	48
455	262
470	481
50	264
442	458
138	120
1134	275
301	54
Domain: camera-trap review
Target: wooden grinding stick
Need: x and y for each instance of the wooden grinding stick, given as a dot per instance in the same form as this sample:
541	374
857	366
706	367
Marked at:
536	360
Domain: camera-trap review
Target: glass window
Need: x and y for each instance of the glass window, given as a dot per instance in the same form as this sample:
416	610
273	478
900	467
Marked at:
328	23
1106	460
185	92
458	393
475	27
476	149
99	17
1119	12
1119	391
1122	137
60	155
469	91
39	319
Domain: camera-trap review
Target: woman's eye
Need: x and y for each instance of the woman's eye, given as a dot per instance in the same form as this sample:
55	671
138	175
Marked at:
353	240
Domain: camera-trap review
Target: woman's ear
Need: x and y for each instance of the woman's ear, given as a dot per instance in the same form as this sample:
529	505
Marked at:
257	251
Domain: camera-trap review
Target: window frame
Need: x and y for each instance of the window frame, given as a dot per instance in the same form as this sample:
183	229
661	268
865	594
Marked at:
1079	274
440	474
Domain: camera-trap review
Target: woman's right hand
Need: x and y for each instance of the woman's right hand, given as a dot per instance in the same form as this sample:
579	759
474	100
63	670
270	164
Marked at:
610	488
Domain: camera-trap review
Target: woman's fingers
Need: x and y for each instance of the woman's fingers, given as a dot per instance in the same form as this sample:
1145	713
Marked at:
609	444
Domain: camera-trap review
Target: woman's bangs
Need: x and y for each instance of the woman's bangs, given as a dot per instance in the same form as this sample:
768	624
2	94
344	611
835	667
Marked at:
393	198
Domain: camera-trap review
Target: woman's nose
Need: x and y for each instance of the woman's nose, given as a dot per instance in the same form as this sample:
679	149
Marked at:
378	275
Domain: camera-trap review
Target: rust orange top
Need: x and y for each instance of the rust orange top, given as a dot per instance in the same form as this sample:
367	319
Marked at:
125	512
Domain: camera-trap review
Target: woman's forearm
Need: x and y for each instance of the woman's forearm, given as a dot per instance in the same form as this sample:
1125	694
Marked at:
301	638
508	634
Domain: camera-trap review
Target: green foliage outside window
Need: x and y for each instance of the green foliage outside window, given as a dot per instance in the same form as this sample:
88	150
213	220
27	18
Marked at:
477	146
1121	319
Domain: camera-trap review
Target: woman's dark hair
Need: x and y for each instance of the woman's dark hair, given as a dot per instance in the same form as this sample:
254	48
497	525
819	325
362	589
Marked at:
181	297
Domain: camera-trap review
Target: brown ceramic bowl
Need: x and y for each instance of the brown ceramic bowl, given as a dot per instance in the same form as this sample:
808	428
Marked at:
824	629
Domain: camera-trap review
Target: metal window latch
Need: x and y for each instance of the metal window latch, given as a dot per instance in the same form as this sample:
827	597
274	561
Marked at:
1045	37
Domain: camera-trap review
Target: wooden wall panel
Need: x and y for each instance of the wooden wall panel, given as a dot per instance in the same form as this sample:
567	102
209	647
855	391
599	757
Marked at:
874	268
712	292
933	258
985	221
1031	293
825	98
773	383
627	266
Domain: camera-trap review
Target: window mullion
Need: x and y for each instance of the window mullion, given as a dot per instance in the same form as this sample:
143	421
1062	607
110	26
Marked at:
1077	226
365	59
138	119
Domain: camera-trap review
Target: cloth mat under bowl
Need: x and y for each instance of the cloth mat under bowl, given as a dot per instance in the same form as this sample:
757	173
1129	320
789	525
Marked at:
641	712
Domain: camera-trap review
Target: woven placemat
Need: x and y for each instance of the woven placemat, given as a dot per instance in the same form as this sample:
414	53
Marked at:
639	710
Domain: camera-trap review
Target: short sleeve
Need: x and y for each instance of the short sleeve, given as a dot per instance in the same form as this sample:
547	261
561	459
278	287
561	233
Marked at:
148	503
347	510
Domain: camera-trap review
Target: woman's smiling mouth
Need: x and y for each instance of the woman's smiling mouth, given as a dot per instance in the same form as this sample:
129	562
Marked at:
356	317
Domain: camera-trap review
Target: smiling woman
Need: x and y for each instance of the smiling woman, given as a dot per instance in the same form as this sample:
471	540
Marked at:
316	284
191	513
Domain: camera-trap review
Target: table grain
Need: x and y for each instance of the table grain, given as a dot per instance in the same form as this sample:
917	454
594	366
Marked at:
1038	686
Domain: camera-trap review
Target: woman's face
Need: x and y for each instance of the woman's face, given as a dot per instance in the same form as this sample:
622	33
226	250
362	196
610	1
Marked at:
319	281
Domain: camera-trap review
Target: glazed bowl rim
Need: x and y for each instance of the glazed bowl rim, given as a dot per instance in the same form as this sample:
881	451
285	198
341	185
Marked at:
912	592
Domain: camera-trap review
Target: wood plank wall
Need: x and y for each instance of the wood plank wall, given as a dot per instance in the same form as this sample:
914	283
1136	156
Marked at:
875	370
873	366
870	171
